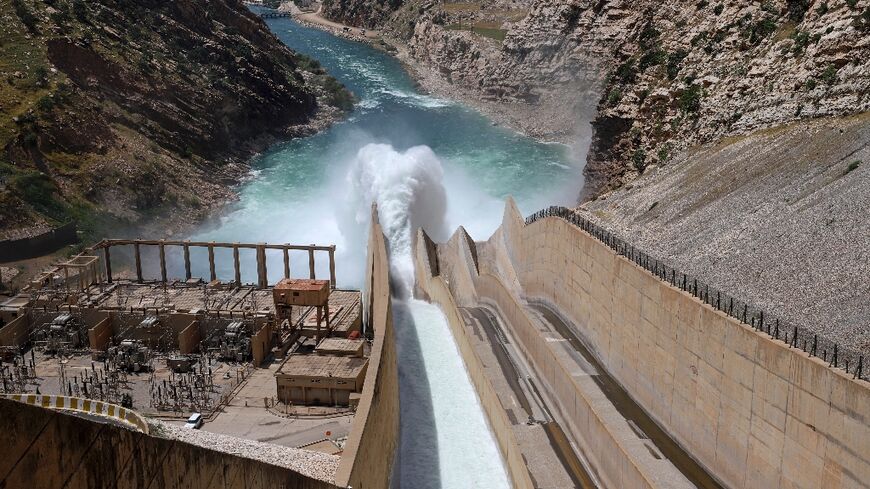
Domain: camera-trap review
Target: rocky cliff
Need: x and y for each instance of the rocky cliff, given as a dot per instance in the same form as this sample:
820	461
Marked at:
116	112
652	79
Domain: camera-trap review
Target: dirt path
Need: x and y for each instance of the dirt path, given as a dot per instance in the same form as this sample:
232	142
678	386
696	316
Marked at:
339	29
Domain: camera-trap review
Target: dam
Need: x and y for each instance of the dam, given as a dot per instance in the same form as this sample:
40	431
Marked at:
425	358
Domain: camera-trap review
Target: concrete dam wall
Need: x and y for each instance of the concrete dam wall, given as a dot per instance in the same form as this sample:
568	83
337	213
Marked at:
748	409
368	457
50	449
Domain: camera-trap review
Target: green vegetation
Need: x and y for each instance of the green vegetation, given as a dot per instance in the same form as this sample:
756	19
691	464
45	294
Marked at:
829	76
852	3
690	99
822	9
38	190
653	57
26	15
626	72
614	97
638	159
717	10
862	22
797	9
852	167
760	30
336	94
675	62
308	63
801	40
664	152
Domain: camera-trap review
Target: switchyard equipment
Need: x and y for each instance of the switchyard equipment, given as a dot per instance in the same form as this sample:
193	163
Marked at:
235	345
61	334
130	355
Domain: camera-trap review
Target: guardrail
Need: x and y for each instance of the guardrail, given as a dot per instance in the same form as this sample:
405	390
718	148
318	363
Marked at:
88	406
796	336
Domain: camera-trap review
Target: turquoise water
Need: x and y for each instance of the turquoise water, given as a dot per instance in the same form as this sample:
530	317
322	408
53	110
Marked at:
299	190
426	162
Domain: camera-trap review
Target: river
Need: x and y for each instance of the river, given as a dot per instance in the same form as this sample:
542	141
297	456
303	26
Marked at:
426	162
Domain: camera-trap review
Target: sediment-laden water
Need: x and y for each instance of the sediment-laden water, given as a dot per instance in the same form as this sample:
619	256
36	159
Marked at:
426	162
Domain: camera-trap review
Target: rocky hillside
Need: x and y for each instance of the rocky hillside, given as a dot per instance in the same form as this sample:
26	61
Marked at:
652	78
115	112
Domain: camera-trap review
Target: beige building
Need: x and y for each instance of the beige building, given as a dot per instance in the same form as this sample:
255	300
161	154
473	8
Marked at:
320	380
341	347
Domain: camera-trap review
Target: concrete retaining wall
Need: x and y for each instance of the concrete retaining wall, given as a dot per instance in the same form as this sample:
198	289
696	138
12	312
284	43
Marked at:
41	244
16	332
753	411
52	450
367	460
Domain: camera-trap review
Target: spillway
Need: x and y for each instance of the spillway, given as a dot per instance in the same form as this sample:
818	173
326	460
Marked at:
426	162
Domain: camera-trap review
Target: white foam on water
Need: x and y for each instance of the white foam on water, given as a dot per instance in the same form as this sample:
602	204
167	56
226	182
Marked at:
445	439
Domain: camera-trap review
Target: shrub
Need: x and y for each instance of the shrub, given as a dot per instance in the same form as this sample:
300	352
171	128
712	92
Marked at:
822	9
690	99
649	36
797	9
801	40
40	77
626	72
761	30
614	97
38	190
852	167
664	152
851	3
336	94
80	10
27	17
45	103
811	83
829	76
718	9
675	62
638	159
653	57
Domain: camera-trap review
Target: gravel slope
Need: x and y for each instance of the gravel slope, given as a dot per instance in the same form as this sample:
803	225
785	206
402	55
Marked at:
776	218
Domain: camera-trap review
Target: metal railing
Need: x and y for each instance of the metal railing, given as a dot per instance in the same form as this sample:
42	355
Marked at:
795	336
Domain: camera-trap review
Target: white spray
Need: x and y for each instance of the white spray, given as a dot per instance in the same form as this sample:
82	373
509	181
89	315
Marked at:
445	441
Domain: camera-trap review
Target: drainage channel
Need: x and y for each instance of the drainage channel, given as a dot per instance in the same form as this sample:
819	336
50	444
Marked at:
559	442
629	409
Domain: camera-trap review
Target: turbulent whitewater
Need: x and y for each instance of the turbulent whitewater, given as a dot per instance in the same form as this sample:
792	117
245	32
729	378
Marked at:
425	162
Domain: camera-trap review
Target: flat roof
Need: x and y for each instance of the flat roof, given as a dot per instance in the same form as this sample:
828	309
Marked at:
301	284
340	344
323	366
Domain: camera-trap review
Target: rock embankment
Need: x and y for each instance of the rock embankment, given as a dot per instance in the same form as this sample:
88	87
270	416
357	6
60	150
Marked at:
120	114
777	218
652	79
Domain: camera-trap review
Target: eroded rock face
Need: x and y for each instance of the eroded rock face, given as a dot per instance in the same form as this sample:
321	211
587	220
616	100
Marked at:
653	78
132	111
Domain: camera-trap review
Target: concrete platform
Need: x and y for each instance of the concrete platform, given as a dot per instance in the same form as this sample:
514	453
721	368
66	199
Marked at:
255	422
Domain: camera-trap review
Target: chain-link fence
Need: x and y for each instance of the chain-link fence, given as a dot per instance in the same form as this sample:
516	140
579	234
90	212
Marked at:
795	336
